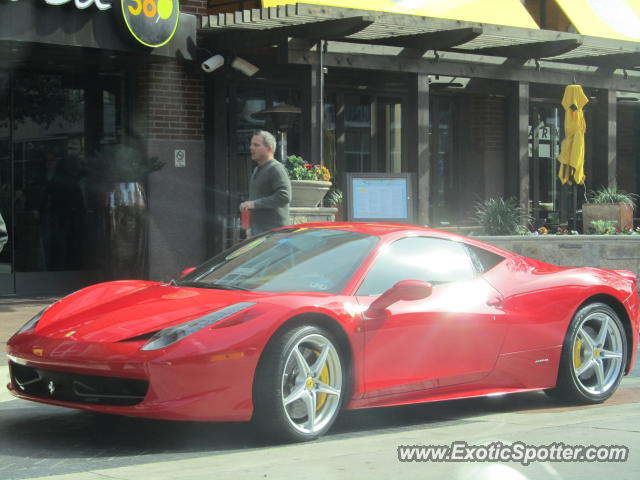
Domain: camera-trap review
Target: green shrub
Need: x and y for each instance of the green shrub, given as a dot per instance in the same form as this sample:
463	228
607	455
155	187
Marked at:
501	217
603	227
612	195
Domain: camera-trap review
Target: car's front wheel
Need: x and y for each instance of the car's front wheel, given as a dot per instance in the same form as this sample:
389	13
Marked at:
300	384
594	356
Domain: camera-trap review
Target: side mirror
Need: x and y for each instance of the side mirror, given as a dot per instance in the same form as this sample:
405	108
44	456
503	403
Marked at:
407	290
186	272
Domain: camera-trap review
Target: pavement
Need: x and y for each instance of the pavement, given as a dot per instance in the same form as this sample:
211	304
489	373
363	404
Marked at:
70	445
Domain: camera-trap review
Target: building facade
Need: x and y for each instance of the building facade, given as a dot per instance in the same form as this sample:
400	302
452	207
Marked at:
76	76
467	100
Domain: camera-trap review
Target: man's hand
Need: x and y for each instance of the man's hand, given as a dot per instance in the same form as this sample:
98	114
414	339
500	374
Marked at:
248	205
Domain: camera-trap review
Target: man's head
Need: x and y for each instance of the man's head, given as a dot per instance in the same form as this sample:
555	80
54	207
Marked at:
263	144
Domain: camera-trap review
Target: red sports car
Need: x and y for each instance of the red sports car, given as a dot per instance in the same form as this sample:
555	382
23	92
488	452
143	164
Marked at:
291	326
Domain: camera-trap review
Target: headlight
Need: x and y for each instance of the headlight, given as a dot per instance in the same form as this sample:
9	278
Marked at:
171	335
31	323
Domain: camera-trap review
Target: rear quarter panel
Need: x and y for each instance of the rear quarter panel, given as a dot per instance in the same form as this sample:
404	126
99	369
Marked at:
540	299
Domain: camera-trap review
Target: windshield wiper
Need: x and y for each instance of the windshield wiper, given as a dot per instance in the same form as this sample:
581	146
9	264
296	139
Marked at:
213	286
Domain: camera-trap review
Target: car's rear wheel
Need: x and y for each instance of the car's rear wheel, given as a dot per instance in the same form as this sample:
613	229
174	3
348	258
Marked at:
594	356
300	384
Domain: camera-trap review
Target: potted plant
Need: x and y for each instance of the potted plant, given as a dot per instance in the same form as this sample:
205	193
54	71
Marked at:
119	172
609	204
498	216
309	182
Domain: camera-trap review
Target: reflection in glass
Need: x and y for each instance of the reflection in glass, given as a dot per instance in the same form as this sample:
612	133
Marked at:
299	260
357	125
5	177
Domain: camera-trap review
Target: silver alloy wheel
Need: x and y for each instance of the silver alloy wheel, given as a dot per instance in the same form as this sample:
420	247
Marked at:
597	353
311	383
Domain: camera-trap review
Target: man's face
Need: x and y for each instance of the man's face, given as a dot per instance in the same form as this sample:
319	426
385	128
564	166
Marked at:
259	151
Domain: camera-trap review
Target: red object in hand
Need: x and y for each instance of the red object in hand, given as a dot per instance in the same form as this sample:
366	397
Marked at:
245	219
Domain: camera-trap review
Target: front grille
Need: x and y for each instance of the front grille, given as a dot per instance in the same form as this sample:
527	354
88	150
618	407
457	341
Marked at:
71	387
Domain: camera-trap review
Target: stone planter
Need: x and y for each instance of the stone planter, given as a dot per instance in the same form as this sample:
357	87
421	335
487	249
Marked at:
308	193
604	251
620	213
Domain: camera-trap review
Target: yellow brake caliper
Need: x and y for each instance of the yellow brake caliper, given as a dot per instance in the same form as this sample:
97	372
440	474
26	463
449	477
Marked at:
324	378
577	353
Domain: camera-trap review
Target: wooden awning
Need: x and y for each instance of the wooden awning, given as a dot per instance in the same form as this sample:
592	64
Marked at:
498	12
275	25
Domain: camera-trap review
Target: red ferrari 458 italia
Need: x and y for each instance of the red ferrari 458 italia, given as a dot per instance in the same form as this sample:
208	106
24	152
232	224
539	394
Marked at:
289	327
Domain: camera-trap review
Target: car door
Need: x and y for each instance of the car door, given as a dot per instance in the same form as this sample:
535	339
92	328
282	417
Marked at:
451	337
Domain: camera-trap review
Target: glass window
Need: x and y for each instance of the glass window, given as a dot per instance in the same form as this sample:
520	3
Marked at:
432	260
357	125
297	259
483	260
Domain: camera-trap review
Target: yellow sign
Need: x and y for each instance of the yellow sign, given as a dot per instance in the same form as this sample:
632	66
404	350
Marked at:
618	19
499	12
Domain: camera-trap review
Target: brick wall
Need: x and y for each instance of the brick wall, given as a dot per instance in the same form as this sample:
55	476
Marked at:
171	98
488	127
488	142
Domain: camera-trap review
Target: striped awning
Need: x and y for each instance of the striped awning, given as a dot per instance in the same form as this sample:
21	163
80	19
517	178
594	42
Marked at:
617	19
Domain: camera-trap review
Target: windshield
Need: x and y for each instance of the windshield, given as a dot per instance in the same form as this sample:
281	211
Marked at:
292	260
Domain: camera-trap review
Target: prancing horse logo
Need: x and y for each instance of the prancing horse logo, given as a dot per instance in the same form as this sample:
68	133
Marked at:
51	387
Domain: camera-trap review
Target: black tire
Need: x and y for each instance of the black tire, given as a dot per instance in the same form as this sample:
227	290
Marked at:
284	395
594	356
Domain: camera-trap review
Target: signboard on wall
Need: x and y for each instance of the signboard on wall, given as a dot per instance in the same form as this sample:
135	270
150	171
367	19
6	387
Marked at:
151	23
380	197
82	4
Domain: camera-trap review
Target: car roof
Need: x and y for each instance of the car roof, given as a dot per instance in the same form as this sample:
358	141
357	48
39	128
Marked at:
391	231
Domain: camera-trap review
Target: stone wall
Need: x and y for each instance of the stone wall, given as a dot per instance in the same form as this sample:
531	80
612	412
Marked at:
604	251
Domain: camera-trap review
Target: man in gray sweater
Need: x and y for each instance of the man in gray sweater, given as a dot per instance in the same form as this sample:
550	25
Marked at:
269	187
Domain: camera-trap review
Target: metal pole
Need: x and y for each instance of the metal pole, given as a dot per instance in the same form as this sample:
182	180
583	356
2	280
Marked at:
322	45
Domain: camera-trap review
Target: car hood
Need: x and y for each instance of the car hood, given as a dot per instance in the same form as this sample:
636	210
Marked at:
117	311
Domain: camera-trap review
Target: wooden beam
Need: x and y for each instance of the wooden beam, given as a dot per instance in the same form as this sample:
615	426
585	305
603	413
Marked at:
616	60
244	38
604	158
529	50
315	113
470	69
425	41
521	130
421	152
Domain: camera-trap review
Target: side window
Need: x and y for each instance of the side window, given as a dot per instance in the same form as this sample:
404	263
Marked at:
433	260
484	260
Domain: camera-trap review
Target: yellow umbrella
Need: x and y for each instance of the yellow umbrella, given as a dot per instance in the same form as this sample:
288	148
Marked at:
571	156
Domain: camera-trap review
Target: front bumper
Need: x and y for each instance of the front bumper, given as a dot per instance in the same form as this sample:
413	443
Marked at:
187	381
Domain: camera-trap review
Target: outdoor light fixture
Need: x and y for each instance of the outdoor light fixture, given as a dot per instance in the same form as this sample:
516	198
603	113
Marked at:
282	116
212	63
248	68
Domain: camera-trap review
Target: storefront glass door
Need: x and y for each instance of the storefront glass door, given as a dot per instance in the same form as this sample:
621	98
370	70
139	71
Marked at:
50	123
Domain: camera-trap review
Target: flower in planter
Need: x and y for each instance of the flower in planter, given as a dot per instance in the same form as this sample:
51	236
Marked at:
298	169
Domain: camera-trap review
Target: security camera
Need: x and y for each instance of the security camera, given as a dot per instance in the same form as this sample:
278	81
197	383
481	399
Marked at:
212	63
249	69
